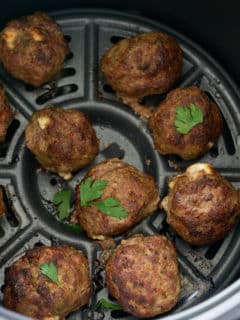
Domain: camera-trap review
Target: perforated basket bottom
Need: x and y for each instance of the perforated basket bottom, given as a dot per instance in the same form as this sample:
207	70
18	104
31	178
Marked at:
31	219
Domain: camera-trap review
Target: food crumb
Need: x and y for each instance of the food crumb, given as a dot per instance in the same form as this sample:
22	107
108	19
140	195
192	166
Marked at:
148	162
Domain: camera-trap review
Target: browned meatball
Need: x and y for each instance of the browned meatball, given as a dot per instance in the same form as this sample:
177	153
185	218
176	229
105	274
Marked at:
136	191
2	203
201	205
200	138
149	63
63	141
30	292
6	114
33	48
142	274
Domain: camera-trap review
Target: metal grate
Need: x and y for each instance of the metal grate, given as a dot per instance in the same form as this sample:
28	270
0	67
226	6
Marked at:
31	218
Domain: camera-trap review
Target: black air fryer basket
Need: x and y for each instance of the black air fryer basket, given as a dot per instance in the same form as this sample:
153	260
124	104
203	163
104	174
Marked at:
31	217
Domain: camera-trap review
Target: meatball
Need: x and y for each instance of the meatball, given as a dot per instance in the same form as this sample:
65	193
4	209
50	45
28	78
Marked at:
33	48
142	274
149	63
2	203
201	205
6	114
63	141
135	190
200	138
32	293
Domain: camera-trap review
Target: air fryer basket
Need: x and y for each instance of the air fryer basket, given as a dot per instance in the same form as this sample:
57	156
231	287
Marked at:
31	218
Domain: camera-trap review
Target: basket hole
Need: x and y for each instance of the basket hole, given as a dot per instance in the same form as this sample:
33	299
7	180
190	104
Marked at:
212	251
10	133
110	297
152	100
29	88
2	233
116	314
228	140
68	38
3	287
67	72
116	39
56	92
38	244
214	151
107	88
197	83
113	150
10	213
69	56
53	182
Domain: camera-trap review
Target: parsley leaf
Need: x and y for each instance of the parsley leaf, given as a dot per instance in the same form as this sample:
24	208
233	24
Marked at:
90	191
107	305
50	271
112	208
62	200
187	117
75	227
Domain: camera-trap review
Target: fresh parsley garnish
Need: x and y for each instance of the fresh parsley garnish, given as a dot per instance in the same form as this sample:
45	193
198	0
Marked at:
62	200
50	271
112	208
90	191
107	305
75	227
187	117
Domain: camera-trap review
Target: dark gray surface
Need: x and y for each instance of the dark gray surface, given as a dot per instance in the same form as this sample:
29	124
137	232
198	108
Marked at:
32	222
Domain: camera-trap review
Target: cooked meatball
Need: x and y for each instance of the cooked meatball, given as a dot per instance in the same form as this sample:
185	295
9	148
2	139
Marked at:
201	205
32	293
142	274
200	138
136	191
2	203
63	141
33	48
149	63
6	114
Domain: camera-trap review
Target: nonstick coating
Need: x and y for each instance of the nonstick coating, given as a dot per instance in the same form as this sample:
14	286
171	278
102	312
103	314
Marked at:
31	219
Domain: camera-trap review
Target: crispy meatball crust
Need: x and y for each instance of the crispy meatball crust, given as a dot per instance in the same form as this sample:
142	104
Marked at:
142	274
201	205
33	48
31	293
6	114
2	203
136	191
149	63
63	141
200	139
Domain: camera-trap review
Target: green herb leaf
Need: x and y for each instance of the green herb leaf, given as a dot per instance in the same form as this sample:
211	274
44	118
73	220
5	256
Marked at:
62	200
50	271
187	117
108	305
75	227
112	208
90	191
